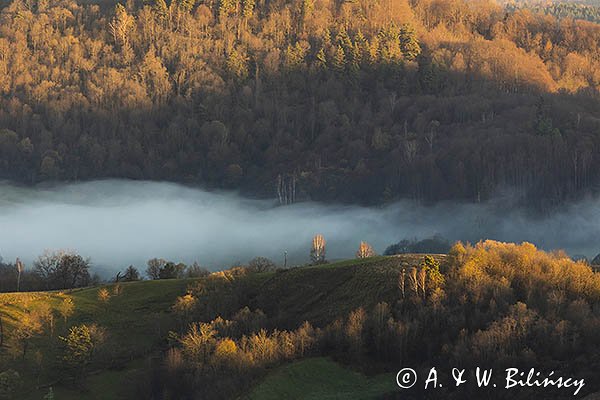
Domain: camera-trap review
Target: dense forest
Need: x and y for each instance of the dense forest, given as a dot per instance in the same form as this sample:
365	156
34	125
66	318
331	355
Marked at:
561	10
362	101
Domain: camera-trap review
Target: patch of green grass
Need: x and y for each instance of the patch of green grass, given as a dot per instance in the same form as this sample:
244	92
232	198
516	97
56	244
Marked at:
321	379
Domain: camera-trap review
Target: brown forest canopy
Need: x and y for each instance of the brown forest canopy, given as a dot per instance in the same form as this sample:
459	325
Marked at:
363	101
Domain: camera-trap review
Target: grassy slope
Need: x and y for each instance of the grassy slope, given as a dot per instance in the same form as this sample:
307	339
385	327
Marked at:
321	379
139	318
320	294
136	320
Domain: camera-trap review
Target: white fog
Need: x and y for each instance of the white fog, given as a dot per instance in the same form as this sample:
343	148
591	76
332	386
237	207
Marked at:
118	223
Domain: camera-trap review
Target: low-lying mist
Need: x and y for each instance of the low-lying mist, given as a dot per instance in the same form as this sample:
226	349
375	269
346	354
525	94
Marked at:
118	223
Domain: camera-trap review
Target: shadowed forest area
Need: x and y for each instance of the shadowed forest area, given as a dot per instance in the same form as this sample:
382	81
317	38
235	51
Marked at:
364	101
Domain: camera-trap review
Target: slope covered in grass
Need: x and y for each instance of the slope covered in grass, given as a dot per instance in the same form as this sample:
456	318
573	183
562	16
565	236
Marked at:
136	321
320	294
321	379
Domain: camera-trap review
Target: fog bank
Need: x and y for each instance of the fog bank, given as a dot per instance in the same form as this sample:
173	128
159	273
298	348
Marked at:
118	223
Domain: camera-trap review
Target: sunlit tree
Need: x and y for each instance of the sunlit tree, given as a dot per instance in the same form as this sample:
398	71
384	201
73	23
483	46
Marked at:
317	253
365	250
66	308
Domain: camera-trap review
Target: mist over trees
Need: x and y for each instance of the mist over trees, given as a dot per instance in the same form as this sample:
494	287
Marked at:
361	102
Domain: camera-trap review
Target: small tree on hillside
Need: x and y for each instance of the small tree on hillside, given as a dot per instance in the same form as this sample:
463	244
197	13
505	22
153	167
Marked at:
402	282
66	308
103	295
317	252
183	307
131	274
171	271
20	268
431	267
154	267
117	289
29	326
198	343
365	250
81	344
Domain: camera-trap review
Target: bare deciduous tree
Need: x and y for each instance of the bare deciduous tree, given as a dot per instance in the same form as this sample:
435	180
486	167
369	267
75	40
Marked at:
19	266
317	252
402	282
365	250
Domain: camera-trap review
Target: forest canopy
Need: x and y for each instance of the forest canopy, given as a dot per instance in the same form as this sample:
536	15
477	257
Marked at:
363	101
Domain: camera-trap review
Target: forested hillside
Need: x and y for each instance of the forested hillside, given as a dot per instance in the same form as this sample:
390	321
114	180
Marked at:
363	101
589	11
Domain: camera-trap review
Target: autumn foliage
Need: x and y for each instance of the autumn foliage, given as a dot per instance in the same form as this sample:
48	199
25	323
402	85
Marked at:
368	100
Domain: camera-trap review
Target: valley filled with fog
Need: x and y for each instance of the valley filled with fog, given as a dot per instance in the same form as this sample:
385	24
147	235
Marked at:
118	223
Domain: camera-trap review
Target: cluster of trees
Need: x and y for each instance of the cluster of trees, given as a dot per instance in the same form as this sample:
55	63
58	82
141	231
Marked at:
488	304
159	268
433	245
318	250
363	101
51	271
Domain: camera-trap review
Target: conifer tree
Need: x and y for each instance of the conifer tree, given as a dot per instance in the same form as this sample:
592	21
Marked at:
339	59
237	64
248	8
409	44
161	10
321	60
